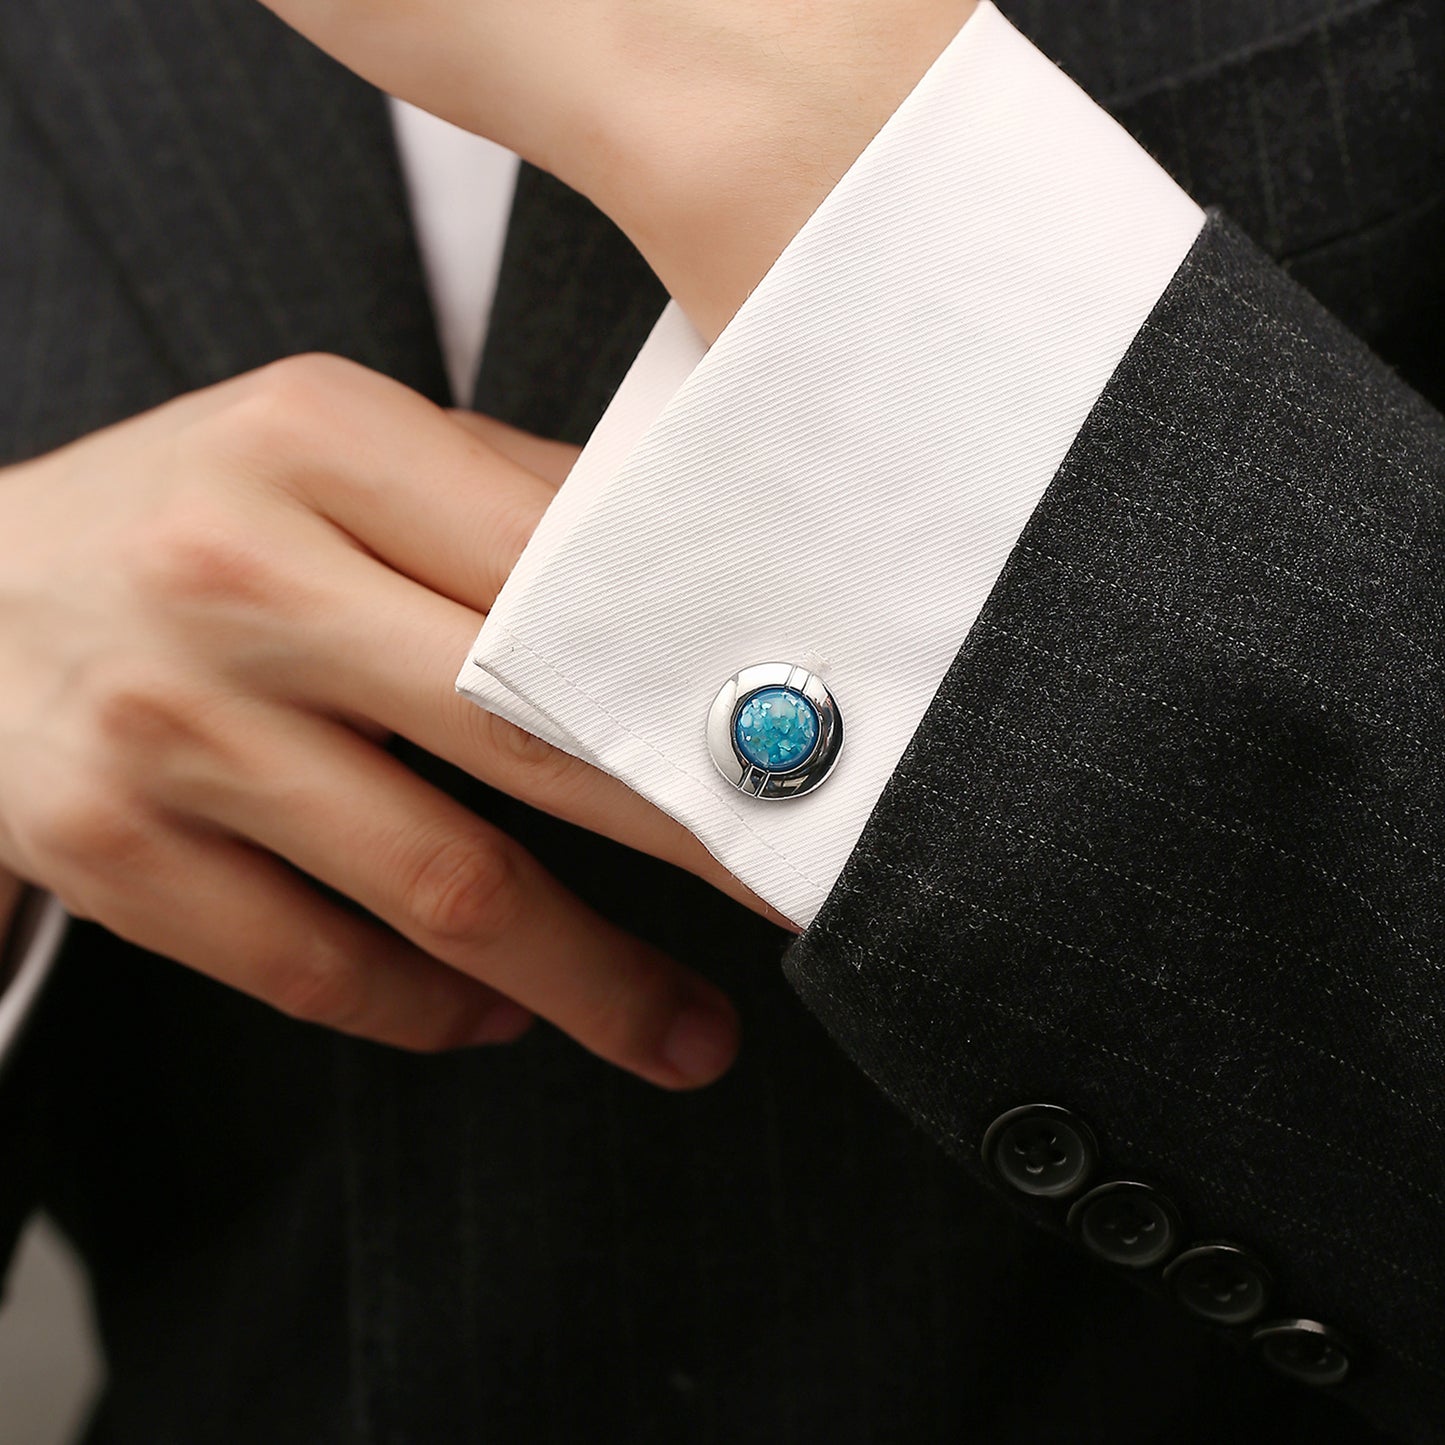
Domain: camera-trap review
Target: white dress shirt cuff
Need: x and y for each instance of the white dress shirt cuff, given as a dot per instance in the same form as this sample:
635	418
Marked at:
839	480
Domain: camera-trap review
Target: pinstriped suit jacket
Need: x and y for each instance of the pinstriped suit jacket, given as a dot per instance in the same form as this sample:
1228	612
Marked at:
1165	850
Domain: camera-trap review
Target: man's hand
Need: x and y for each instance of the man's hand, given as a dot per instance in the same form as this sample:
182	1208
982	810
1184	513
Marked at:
210	618
709	130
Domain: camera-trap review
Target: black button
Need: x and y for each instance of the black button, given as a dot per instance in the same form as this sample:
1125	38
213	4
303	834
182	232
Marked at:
1041	1149
1305	1350
1220	1282
1127	1223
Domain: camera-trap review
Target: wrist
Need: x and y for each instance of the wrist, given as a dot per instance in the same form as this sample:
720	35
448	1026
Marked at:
717	148
709	130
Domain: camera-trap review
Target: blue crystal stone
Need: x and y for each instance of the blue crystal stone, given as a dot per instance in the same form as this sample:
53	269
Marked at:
776	729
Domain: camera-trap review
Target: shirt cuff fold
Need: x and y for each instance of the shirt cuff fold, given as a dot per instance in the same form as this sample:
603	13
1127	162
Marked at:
839	480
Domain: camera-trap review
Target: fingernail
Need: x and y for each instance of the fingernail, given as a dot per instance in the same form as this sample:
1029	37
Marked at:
504	1023
702	1042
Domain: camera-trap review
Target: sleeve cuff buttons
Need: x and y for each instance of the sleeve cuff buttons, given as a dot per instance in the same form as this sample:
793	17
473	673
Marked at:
1050	1154
1042	1150
1220	1282
1127	1224
1307	1352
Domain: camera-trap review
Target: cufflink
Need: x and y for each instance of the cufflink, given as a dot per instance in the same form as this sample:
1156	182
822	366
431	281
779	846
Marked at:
774	730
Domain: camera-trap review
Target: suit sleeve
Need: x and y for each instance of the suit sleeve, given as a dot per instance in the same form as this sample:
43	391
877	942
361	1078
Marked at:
1134	901
1147	926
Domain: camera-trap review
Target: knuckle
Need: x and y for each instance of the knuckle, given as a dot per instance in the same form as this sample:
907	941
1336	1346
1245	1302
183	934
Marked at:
198	553
88	827
273	414
519	746
464	891
150	718
296	387
525	759
315	987
306	372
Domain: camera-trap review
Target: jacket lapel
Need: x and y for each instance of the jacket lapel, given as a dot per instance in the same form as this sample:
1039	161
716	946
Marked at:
247	185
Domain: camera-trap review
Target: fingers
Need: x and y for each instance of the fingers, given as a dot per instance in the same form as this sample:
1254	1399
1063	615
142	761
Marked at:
435	499
400	476
282	517
466	894
552	461
386	649
440	507
246	920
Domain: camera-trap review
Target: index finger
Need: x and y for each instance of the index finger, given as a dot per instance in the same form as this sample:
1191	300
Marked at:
402	477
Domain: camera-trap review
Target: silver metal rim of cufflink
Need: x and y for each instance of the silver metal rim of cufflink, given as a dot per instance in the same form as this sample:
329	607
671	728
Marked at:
745	774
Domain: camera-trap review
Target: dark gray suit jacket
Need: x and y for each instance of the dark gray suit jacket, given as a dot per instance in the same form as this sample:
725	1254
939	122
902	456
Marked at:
1165	853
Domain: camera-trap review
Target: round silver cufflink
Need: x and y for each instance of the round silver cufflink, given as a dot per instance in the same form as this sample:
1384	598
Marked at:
774	730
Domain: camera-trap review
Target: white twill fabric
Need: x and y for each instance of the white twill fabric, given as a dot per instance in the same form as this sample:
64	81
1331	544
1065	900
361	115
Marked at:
839	480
